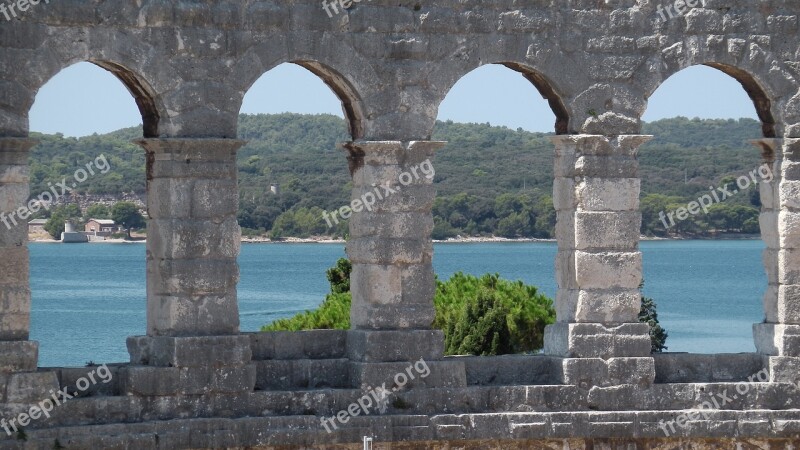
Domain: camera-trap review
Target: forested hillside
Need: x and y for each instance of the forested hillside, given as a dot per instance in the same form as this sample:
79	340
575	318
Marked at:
490	180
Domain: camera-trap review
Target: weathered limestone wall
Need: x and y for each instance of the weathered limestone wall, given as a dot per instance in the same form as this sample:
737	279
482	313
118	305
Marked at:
188	64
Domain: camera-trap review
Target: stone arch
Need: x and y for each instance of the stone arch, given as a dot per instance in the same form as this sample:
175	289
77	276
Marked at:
544	84
766	79
755	89
352	106
344	84
132	72
142	94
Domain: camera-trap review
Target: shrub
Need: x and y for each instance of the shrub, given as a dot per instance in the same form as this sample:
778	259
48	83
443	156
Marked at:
527	311
481	329
332	314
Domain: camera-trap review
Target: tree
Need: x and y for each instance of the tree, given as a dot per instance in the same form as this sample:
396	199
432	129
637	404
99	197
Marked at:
127	214
55	225
649	315
300	222
60	214
476	189
482	328
97	211
655	208
545	217
339	276
528	312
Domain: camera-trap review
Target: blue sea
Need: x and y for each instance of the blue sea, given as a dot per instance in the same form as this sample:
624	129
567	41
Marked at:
87	298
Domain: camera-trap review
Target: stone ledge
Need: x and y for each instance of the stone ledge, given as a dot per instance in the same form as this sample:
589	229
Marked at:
68	378
510	369
420	401
226	380
473	431
698	368
589	372
439	374
313	344
302	374
171	381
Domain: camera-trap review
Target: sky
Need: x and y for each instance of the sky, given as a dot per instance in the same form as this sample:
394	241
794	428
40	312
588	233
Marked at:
84	99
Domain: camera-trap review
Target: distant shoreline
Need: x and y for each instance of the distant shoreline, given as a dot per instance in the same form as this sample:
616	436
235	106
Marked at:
107	241
462	240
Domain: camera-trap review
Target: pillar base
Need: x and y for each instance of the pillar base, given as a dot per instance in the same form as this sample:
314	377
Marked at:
783	369
199	351
775	339
378	356
28	387
163	365
595	340
19	356
588	372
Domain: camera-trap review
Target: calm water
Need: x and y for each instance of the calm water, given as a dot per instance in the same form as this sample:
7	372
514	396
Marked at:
88	298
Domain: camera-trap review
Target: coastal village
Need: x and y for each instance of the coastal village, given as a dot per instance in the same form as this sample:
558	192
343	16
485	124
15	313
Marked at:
82	221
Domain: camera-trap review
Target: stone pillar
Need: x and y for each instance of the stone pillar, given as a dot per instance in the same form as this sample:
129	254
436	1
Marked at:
193	240
193	237
390	248
598	265
778	338
19	381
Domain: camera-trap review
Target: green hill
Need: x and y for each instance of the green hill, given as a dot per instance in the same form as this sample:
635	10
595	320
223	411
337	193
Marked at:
490	180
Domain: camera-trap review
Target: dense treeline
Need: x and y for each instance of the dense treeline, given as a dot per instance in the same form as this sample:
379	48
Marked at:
490	180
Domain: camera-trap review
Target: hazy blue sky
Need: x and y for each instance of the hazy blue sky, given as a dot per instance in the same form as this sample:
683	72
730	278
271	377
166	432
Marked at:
85	99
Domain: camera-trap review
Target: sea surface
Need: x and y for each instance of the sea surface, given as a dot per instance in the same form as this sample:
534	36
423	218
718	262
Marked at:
87	298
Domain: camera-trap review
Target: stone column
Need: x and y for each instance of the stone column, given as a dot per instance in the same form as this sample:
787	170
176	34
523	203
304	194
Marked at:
779	336
19	380
193	237
193	240
598	265
390	248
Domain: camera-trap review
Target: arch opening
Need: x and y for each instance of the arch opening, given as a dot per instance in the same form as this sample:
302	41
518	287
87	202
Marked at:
349	103
291	171
504	89
86	298
494	181
715	87
701	181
